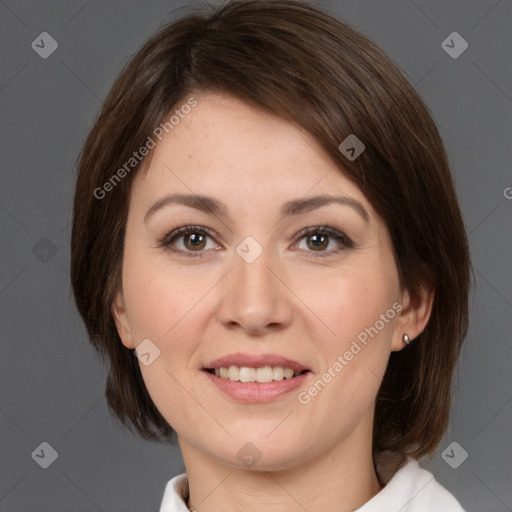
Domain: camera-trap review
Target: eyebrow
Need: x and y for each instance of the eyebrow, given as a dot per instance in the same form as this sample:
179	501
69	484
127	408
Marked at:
210	205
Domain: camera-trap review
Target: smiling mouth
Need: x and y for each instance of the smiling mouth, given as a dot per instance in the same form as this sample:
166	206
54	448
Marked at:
262	375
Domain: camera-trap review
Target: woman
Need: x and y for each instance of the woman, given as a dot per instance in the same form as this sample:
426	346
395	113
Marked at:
268	248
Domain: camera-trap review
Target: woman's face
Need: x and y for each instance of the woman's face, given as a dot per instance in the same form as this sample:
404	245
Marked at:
257	286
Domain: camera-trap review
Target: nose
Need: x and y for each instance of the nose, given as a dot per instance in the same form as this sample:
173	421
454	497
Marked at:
255	297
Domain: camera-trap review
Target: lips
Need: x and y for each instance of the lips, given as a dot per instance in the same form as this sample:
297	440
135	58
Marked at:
256	361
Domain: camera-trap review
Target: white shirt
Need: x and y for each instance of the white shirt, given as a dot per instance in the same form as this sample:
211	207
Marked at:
410	489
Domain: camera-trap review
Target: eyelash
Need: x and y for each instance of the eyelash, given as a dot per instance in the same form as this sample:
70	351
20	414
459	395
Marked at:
167	240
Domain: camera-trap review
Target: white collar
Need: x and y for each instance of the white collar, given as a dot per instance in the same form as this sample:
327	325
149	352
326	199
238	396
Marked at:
408	488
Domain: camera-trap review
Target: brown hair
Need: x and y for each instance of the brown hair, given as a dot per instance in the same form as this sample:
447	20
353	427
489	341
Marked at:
292	59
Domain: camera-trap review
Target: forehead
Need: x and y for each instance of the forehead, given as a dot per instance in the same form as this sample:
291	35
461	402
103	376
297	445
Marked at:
225	147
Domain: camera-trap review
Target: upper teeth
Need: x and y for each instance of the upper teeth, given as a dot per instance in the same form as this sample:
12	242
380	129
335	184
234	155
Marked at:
246	374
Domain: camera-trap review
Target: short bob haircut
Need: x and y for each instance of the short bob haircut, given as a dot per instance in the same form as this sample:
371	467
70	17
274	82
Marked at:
298	62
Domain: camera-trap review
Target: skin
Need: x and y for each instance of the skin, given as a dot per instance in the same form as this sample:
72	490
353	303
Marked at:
295	300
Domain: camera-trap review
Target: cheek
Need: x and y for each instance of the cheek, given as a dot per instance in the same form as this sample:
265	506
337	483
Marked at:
356	308
349	304
169	308
159	297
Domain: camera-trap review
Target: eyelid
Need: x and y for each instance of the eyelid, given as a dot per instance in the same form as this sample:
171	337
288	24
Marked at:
326	230
166	241
339	236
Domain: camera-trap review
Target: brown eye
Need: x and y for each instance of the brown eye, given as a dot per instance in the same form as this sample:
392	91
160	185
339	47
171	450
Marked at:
195	241
189	240
319	238
318	242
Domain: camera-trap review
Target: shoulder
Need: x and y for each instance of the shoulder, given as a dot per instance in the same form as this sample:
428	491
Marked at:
411	489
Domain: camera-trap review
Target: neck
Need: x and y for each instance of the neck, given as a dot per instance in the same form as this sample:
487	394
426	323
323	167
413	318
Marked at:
337	480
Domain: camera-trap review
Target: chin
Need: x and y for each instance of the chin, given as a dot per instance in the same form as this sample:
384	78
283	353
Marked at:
252	452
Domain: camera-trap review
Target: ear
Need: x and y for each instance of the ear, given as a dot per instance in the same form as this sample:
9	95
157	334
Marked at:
413	317
121	320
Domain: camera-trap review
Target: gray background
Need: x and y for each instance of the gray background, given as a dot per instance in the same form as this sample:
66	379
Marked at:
51	380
